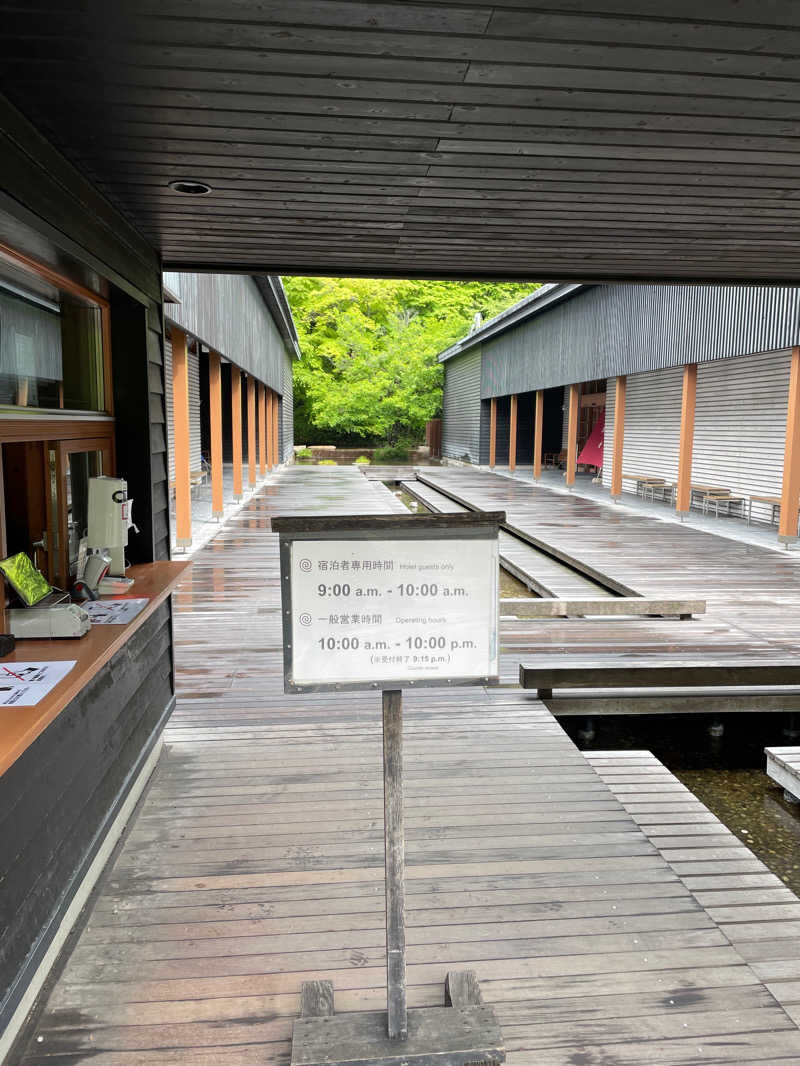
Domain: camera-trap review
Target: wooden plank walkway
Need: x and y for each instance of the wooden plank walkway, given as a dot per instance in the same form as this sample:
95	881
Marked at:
783	766
542	574
752	593
758	914
255	863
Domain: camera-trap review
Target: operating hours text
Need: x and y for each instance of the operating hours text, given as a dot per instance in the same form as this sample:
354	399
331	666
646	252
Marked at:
407	589
420	643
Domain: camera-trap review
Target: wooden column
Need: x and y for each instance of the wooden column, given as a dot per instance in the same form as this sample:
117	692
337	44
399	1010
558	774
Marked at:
180	435
619	436
512	434
790	493
262	429
236	430
270	456
215	417
537	435
251	431
493	431
394	854
572	431
683	498
275	429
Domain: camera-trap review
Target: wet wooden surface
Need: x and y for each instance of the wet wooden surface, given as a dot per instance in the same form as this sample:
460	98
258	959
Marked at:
753	907
256	863
752	593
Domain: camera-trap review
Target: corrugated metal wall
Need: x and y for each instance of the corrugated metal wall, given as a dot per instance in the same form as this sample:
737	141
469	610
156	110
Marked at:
740	425
617	329
461	419
195	447
227	313
652	425
287	413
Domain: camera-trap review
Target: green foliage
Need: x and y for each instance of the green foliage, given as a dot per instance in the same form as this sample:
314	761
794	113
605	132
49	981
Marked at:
327	462
392	453
363	460
369	370
304	453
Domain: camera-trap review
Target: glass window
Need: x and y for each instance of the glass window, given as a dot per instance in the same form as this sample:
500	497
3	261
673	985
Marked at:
51	350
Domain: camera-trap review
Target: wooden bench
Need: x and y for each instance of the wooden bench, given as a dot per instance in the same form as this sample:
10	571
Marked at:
773	501
196	477
643	481
650	688
696	489
623	606
554	459
726	499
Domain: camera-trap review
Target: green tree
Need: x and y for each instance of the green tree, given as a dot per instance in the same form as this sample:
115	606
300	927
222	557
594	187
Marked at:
369	369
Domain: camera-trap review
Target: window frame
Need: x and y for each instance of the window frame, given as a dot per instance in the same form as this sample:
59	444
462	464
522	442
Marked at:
58	430
80	292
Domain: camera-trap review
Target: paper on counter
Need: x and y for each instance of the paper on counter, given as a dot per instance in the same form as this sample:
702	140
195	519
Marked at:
25	684
114	612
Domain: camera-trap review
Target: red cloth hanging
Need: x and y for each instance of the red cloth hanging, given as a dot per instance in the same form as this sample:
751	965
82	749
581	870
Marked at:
592	453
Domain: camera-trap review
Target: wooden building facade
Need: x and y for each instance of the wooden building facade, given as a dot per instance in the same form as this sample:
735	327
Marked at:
238	342
83	392
695	385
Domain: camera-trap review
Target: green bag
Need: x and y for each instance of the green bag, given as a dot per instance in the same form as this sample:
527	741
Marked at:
29	583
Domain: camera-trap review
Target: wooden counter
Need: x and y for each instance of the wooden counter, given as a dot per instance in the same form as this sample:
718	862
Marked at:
20	726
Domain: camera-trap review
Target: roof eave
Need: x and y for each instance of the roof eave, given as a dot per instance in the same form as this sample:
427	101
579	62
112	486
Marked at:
542	299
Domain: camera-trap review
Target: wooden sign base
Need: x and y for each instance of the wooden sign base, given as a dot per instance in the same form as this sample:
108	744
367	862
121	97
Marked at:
463	1033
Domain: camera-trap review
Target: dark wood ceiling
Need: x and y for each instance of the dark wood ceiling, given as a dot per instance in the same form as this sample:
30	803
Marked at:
575	139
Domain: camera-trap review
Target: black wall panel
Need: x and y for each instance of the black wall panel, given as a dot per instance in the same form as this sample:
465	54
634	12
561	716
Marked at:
59	797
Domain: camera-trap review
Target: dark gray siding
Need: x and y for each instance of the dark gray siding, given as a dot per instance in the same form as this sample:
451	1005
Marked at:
617	329
227	313
461	417
59	797
159	478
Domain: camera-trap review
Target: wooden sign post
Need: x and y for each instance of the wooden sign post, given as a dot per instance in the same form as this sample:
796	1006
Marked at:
420	598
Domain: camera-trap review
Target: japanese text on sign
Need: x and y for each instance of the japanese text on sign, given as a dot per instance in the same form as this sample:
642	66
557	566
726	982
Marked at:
406	610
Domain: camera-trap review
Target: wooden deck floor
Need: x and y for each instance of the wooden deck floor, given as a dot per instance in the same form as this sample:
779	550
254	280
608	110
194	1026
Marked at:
753	594
256	862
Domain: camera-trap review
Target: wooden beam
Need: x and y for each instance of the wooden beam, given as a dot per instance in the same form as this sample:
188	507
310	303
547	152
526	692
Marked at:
683	499
236	430
215	414
790	492
493	431
180	435
537	435
619	436
512	434
662	674
262	429
572	432
251	431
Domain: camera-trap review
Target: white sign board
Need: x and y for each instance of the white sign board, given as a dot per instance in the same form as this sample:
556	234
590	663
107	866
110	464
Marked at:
415	610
